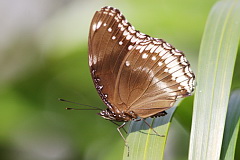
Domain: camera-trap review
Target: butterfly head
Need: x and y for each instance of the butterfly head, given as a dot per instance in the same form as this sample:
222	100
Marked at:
119	117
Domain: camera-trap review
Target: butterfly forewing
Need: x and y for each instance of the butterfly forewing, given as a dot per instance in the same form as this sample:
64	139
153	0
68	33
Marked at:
107	48
133	71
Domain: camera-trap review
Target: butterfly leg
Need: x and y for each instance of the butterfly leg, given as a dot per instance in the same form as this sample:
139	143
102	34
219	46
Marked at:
121	126
159	114
152	128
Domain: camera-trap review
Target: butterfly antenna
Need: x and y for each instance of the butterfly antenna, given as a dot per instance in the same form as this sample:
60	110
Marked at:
92	107
79	109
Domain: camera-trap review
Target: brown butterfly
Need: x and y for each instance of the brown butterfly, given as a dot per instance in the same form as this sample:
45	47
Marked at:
136	76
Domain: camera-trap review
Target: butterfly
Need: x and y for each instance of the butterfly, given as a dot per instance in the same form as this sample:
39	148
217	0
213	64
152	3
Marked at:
136	76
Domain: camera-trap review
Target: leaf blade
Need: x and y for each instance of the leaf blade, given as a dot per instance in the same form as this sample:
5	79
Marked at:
216	63
232	127
144	143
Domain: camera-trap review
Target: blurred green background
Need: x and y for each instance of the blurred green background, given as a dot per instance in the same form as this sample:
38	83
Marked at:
43	57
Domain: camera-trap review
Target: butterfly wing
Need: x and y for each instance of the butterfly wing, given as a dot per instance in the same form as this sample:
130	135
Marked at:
154	75
133	71
108	45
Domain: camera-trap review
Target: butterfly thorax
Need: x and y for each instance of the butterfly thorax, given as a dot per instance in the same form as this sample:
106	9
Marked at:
118	116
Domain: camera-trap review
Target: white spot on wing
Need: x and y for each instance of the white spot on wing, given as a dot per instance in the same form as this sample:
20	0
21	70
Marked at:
160	63
127	63
94	59
120	25
162	52
174	69
129	37
142	49
149	46
113	37
90	60
130	47
94	27
157	42
169	59
134	39
184	83
131	29
173	63
184	63
187	69
178	73
117	19
154	58
122	28
180	79
124	22
120	43
142	35
166	55
183	60
144	56
167	45
166	70
109	29
155	80
176	53
138	47
125	33
99	24
153	49
159	49
173	78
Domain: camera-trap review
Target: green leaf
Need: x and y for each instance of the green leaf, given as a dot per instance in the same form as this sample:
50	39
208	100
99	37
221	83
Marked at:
143	143
215	69
232	127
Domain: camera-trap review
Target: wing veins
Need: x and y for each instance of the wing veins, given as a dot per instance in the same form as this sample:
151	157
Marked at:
158	90
98	53
104	54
